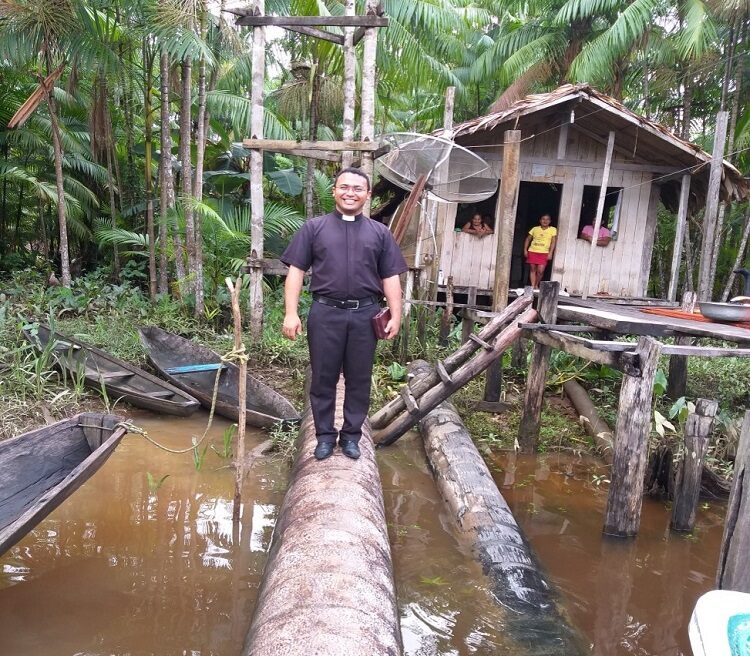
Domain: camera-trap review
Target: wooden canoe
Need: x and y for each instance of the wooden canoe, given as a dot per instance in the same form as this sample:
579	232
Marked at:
119	379
42	468
168	352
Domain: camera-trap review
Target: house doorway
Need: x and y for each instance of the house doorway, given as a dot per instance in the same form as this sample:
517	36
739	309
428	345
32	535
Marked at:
534	200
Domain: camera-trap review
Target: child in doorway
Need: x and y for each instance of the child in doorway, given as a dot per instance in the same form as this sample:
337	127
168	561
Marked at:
539	248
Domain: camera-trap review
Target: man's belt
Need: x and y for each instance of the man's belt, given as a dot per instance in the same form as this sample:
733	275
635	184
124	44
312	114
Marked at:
348	304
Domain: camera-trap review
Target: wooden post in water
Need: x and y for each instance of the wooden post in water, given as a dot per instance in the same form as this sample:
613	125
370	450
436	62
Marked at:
528	430
677	380
505	225
688	484
733	572
239	459
623	515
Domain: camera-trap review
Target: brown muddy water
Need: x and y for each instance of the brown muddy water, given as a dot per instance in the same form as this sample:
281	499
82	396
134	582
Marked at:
124	570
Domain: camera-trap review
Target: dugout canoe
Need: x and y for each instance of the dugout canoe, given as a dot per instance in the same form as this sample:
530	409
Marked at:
42	468
119	379
193	367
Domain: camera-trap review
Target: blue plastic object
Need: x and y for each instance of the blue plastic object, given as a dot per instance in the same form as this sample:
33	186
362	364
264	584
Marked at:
192	368
738	632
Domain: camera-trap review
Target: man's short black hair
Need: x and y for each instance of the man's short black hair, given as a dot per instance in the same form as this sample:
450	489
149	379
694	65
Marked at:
355	171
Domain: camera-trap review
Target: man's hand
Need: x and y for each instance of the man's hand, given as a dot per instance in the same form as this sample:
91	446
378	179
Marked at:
392	328
292	326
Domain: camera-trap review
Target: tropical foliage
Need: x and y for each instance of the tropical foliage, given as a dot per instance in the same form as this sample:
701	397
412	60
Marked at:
127	146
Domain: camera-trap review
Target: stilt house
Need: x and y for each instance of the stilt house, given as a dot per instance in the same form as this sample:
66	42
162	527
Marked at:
562	167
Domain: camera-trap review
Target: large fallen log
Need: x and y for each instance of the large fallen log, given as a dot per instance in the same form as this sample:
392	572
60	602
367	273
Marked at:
328	583
418	385
593	424
483	517
452	382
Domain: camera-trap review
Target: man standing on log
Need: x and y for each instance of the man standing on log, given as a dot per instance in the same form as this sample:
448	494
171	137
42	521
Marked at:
355	261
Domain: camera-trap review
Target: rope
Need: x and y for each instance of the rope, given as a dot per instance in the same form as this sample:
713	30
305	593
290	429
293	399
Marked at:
235	355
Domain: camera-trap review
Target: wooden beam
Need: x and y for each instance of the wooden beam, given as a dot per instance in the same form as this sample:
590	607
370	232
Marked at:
596	165
505	221
618	149
705	280
733	572
560	342
679	237
313	154
279	145
623	514
338	39
562	141
247	20
599	212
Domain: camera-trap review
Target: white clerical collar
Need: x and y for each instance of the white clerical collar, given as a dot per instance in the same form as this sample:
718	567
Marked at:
348	217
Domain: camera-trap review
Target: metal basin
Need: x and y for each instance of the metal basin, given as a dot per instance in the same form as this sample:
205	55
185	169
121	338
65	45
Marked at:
725	311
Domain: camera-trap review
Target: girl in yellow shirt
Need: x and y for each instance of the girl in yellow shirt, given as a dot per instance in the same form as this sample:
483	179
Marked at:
539	248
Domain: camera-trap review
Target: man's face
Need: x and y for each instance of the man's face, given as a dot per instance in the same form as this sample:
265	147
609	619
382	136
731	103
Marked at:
350	193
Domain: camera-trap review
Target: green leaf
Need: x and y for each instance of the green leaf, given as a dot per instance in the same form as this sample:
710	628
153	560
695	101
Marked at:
287	181
660	383
397	371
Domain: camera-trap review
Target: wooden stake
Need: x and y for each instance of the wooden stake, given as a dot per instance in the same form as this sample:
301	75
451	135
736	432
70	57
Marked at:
528	430
688	484
239	457
623	515
733	572
705	283
679	236
445	320
467	324
599	211
256	176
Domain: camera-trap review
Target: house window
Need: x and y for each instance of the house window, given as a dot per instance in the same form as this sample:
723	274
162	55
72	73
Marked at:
610	216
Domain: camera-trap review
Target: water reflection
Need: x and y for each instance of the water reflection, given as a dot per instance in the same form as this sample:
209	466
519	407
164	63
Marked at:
628	596
122	569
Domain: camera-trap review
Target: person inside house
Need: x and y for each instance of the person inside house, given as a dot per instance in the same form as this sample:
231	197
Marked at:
477	226
539	248
355	261
604	236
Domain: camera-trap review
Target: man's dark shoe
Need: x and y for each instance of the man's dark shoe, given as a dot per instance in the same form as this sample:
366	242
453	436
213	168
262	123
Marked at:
324	450
349	448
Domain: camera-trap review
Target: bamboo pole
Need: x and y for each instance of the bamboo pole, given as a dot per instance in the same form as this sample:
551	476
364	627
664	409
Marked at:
256	176
679	238
599	211
705	283
239	459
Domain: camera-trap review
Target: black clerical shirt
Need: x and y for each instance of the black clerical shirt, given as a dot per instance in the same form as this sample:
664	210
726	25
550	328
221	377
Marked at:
349	259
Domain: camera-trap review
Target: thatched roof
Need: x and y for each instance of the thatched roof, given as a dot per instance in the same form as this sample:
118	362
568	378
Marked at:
642	139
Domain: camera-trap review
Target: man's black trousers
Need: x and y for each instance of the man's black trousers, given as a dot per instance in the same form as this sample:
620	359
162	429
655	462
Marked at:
340	340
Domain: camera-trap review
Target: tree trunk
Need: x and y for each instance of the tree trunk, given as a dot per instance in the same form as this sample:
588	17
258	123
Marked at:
739	258
739	75
200	151
310	175
61	217
165	176
187	169
148	59
346	601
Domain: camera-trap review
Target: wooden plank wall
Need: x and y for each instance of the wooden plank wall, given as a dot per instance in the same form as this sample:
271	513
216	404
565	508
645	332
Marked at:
619	269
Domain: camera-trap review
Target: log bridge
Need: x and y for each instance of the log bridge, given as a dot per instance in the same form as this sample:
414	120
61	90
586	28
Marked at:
328	587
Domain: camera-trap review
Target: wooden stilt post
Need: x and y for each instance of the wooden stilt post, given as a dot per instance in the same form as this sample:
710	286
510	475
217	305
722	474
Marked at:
733	572
623	515
677	380
688	484
599	212
679	237
369	53
257	207
705	282
350	65
528	430
445	321
239	456
505	223
467	325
